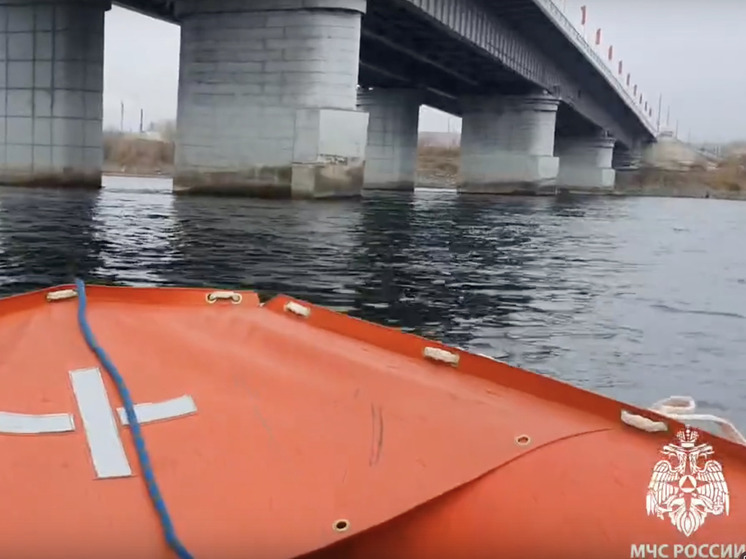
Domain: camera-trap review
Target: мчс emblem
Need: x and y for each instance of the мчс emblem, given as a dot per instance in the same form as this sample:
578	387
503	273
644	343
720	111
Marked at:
687	486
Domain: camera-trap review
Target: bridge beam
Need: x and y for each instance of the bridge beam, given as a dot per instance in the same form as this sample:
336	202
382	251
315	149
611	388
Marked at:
267	98
585	162
391	153
51	95
507	144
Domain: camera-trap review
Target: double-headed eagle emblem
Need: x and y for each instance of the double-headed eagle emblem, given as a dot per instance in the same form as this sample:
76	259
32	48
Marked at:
687	486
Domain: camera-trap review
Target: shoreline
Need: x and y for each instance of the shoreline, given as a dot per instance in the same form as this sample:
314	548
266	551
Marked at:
140	175
652	191
438	168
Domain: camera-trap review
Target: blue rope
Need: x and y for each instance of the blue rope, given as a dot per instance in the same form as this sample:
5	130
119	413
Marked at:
142	453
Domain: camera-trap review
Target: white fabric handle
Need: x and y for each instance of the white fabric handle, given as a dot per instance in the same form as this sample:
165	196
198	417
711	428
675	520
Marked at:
681	408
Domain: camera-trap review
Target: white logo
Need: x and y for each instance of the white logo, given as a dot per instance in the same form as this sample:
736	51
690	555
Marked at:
684	491
105	445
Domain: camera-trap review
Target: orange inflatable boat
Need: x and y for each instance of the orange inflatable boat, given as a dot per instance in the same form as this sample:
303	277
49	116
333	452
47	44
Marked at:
189	423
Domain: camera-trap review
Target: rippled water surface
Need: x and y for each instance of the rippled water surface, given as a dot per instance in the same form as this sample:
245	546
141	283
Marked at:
636	298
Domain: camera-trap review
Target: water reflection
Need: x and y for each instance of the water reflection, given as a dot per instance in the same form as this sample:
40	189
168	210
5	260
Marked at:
135	225
264	245
386	274
39	248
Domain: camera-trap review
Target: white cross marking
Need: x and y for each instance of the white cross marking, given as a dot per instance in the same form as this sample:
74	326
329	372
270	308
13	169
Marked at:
107	452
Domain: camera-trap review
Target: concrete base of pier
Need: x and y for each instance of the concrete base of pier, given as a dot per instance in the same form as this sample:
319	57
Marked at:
586	163
391	153
267	99
51	96
324	158
507	145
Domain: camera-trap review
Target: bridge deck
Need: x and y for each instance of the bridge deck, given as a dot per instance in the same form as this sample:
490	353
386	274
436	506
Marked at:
403	45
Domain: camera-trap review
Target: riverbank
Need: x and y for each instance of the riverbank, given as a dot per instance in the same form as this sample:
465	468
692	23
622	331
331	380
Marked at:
136	174
726	181
134	156
438	167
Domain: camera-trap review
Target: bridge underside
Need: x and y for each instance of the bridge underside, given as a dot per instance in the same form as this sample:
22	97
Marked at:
160	9
271	103
401	51
402	48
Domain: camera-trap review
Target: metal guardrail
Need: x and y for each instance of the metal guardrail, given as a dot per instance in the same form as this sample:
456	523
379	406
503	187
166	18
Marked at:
565	25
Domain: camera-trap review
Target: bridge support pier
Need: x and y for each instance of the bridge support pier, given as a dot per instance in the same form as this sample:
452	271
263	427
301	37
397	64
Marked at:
267	98
507	145
391	153
585	163
51	95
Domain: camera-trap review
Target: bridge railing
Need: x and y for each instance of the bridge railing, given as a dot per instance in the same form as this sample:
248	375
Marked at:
576	37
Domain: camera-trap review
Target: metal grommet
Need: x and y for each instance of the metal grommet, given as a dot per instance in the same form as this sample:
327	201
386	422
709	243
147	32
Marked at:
341	525
216	296
523	440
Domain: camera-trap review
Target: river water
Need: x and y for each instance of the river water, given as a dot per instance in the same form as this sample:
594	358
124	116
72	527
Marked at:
636	298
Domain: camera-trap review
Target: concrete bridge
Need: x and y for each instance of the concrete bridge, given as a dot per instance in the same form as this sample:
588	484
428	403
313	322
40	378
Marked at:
320	98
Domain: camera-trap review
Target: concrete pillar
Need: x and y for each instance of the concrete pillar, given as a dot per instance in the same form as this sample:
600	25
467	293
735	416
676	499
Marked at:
51	92
267	98
391	153
507	145
585	162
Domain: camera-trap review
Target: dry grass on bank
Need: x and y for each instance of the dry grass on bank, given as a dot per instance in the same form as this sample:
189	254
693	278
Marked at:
132	154
445	159
436	163
439	165
730	175
728	178
136	155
